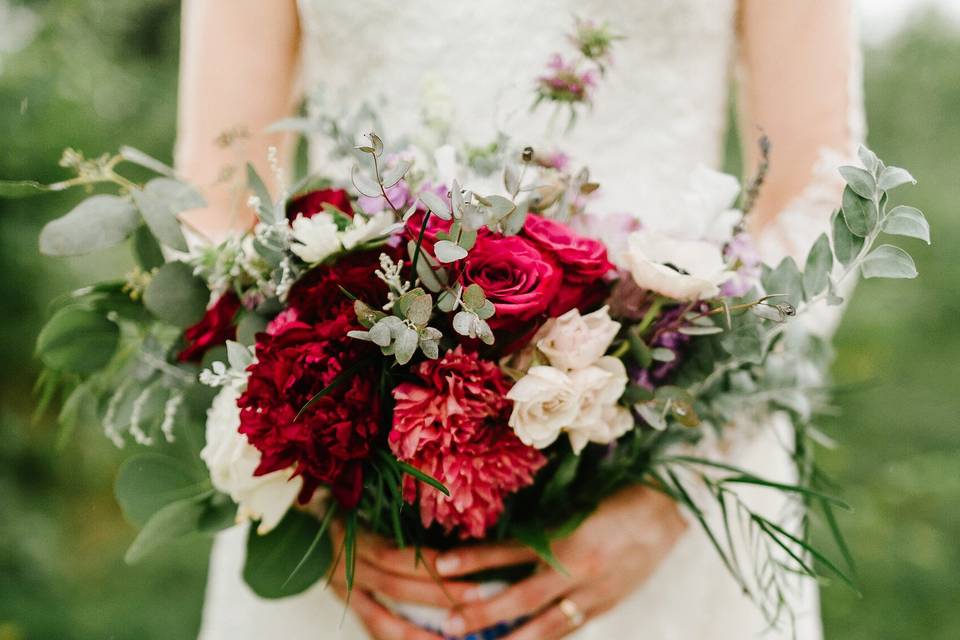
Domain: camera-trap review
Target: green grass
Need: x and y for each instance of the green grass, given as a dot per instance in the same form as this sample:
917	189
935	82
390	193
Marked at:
100	74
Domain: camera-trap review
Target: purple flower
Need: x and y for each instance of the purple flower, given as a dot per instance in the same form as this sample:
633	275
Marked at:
742	255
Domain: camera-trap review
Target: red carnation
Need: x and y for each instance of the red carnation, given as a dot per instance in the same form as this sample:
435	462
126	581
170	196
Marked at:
328	443
452	425
517	277
214	328
318	296
583	260
311	203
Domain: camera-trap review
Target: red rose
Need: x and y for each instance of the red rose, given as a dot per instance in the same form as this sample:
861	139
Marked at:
452	424
311	203
214	328
328	443
583	260
518	278
317	296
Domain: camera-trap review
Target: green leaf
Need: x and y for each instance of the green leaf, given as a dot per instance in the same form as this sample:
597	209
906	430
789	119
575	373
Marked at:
563	477
888	261
160	202
868	158
423	477
266	211
249	326
473	296
146	249
862	182
77	340
147	161
818	267
148	482
846	246
271	566
98	222
21	188
535	537
907	221
893	177
172	521
176	296
785	281
219	513
859	213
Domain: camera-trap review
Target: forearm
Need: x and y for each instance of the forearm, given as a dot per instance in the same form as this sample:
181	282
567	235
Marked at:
238	75
799	75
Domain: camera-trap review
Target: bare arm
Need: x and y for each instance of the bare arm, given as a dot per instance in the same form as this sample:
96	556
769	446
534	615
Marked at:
237	76
800	66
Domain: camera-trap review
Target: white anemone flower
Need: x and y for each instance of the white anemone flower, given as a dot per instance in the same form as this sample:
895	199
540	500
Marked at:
315	238
679	269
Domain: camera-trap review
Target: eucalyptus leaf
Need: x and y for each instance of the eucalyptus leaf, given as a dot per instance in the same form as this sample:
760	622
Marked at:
473	296
98	222
77	340
859	213
366	185
785	281
447	251
146	249
846	246
893	177
395	174
289	559
249	326
175	295
862	182
420	309
149	481
907	221
159	211
888	261
266	211
147	161
818	267
406	344
435	204
169	523
868	158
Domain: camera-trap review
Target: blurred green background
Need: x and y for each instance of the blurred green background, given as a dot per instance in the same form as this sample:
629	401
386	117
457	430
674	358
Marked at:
93	74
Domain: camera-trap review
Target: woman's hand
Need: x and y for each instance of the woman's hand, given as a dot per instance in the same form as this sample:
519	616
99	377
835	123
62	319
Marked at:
398	574
613	552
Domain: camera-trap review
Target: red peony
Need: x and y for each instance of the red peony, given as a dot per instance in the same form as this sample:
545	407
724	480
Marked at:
329	442
317	296
452	425
583	260
517	277
214	328
311	203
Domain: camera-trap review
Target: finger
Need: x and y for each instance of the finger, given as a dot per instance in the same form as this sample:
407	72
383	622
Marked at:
552	624
523	599
438	593
383	553
381	623
467	560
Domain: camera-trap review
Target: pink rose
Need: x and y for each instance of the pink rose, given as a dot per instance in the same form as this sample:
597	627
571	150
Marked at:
518	278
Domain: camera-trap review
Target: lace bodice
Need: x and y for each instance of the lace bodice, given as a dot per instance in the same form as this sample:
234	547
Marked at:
660	110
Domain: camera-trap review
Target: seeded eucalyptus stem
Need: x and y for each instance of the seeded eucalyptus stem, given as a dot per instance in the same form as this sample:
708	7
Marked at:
383	191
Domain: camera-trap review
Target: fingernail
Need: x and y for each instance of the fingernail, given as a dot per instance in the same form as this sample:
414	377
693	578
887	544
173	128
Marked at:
447	564
475	594
454	626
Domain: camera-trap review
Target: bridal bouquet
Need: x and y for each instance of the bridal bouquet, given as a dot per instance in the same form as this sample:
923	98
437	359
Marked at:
440	363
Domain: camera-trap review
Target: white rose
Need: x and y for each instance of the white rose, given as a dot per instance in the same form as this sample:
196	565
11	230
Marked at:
679	269
232	462
314	238
544	403
703	211
362	229
573	341
600	419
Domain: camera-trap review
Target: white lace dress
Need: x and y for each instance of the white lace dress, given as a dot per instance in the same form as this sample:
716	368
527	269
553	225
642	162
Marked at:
661	110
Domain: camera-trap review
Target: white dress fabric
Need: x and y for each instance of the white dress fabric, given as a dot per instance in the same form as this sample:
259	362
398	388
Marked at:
661	110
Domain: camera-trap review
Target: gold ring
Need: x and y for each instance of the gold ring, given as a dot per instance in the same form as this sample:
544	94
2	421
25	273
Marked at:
570	609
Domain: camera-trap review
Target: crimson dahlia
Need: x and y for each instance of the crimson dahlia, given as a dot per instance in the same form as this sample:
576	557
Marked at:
452	425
